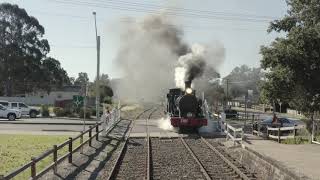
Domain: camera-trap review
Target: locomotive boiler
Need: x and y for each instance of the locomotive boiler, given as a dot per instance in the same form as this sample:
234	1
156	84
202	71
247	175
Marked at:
184	108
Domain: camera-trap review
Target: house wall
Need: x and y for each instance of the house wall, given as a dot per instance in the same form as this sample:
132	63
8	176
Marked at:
42	98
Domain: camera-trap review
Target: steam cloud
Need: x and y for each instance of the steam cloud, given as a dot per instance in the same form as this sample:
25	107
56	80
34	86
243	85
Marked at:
193	65
153	58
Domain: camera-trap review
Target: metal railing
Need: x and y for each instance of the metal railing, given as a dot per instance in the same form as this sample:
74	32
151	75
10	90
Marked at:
114	119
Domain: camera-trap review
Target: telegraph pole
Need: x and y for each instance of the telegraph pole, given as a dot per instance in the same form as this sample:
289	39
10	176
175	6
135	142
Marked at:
98	69
227	92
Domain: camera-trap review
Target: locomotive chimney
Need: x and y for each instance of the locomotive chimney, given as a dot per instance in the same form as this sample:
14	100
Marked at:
187	84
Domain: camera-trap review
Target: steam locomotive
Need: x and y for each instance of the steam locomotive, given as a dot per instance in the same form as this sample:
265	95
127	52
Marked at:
184	108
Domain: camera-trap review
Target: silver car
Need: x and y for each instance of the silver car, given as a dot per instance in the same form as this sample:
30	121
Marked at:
282	122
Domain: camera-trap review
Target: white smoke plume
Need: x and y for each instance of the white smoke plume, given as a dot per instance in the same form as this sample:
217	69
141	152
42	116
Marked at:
149	49
165	124
154	57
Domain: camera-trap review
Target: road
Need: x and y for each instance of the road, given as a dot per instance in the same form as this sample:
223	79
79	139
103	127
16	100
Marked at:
45	126
47	121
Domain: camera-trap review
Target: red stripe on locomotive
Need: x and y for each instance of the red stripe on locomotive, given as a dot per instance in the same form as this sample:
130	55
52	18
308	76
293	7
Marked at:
188	122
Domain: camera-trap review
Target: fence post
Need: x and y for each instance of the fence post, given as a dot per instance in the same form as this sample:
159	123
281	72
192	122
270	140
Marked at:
278	134
252	126
97	131
55	158
227	131
70	150
81	142
90	135
242	135
294	132
33	168
267	132
234	137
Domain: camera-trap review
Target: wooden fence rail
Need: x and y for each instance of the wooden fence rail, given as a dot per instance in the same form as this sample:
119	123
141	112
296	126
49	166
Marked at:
54	152
235	134
279	135
113	119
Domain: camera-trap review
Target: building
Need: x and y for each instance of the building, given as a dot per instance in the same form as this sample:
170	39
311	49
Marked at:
44	98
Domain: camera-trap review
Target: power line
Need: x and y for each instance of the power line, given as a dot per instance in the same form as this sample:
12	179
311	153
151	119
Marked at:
185	9
183	13
208	27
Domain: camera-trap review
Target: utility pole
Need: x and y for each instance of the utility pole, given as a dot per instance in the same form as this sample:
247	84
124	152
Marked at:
227	92
98	69
85	106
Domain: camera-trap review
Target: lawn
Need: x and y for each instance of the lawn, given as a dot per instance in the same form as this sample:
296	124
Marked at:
17	150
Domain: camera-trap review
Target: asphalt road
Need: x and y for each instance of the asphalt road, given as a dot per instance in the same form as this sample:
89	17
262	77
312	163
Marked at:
40	127
46	126
56	121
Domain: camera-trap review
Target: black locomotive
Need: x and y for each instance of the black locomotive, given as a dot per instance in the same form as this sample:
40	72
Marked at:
184	108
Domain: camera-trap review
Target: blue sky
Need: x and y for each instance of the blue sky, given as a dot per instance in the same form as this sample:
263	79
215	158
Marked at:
70	29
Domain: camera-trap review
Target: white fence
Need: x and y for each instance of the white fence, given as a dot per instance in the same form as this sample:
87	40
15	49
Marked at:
279	135
235	134
315	132
109	120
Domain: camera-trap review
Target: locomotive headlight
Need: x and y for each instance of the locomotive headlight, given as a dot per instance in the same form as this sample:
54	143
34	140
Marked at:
188	90
189	114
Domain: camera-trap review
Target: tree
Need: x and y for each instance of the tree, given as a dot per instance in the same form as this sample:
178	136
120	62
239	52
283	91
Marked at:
209	84
82	79
21	47
241	79
106	92
72	80
293	62
53	74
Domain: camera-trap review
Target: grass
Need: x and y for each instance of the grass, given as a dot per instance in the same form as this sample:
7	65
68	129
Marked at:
17	150
297	140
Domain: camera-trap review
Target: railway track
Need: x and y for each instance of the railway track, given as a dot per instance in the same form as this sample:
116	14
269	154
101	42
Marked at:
175	158
214	162
131	162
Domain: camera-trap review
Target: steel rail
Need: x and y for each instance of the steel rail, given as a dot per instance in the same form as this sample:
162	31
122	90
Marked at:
149	159
121	154
235	168
203	170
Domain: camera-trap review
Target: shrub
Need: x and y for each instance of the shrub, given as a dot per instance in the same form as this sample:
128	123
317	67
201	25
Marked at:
45	111
88	113
297	140
58	111
93	111
107	100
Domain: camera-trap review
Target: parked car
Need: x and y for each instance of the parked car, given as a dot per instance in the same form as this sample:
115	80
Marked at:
231	113
11	114
283	122
25	109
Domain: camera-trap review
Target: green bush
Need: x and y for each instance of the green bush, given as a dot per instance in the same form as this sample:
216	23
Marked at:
45	111
93	111
107	100
88	113
60	112
297	140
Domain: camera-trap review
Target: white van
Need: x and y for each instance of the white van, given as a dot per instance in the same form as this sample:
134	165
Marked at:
25	109
11	114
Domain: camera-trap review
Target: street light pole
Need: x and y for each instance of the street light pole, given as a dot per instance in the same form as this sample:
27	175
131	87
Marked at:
98	68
